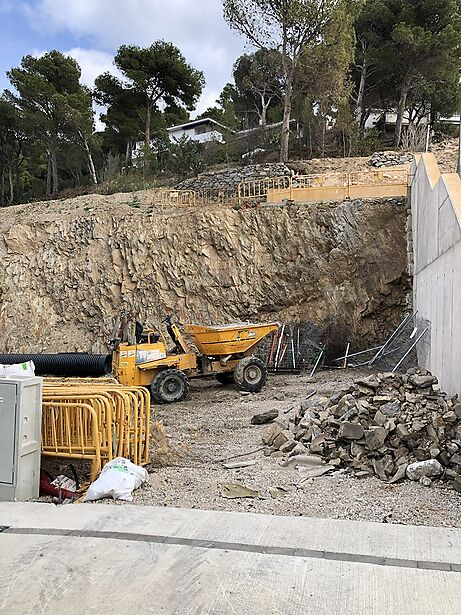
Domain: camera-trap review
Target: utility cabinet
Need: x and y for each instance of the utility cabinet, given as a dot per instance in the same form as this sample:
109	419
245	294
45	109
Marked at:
20	429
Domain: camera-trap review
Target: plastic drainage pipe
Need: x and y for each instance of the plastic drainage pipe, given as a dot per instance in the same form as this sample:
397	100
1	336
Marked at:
77	364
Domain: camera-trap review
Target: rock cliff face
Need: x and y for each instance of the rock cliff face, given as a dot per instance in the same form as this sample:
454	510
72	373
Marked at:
69	267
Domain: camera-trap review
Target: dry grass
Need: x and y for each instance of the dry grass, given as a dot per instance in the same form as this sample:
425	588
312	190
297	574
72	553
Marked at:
162	452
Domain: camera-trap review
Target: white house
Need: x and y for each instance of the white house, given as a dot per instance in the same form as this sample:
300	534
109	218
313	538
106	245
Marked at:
203	131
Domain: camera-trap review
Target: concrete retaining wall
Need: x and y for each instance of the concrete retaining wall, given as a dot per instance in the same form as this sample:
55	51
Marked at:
436	224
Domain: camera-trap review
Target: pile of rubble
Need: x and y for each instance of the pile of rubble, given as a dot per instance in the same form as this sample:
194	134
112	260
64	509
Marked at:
228	179
390	159
390	425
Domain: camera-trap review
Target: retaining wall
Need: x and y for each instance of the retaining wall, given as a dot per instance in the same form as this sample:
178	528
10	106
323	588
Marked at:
436	225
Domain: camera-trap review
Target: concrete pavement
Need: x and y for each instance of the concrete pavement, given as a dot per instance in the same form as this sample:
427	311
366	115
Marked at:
123	559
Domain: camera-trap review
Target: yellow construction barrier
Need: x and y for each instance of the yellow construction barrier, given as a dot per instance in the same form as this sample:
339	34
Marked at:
326	187
379	183
166	197
71	430
96	420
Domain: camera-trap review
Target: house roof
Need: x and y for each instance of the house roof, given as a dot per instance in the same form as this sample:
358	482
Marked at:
194	123
243	133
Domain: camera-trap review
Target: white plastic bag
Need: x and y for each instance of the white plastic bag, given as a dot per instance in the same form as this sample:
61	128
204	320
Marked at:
118	479
17	369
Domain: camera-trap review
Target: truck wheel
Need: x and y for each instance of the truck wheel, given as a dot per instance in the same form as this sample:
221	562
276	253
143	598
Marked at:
250	374
225	378
169	386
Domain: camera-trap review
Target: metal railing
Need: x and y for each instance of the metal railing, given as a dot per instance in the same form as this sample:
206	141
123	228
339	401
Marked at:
174	198
95	421
258	188
301	188
327	186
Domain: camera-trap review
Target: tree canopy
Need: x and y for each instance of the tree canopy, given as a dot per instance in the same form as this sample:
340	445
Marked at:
159	74
53	102
328	64
409	51
287	26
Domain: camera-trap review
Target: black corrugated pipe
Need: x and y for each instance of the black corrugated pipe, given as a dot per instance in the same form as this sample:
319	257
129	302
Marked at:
78	364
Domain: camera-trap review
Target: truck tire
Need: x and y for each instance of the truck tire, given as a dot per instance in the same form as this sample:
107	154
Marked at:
225	378
169	386
250	374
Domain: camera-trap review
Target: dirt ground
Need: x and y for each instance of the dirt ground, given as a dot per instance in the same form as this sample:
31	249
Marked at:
214	424
446	154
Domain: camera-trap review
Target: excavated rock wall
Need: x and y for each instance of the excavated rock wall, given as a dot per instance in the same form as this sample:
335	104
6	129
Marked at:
68	268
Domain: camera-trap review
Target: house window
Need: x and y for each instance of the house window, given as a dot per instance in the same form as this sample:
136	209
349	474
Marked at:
202	128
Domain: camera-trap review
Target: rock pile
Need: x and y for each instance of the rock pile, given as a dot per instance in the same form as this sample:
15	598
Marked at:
228	179
390	159
385	424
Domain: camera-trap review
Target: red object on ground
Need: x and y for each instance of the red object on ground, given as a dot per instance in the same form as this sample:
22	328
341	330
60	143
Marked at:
46	488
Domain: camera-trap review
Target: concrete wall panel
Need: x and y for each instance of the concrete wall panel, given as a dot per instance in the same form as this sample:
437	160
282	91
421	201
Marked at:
436	207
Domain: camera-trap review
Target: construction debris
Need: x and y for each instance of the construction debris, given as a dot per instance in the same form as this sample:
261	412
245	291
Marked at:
390	159
389	425
233	465
277	492
397	353
424	469
234	491
264	417
293	349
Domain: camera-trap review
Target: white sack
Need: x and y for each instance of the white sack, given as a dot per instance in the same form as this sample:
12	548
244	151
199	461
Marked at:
18	369
118	479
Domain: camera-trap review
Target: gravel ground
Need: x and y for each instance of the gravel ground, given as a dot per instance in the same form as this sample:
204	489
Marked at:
214	424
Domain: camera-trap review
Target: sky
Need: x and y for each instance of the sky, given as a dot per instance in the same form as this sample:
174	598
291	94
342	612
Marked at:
92	30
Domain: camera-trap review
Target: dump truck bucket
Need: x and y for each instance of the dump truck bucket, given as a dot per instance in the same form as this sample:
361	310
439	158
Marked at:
225	340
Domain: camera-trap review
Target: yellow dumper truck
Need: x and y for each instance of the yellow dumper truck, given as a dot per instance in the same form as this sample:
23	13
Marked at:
223	351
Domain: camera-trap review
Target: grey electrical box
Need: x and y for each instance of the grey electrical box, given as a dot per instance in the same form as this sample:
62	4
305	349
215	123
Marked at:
20	429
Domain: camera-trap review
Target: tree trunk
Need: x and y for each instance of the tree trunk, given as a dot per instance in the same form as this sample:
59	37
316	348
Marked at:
324	133
401	110
48	176
10	183
2	190
128	155
264	107
359	105
54	169
287	100
91	166
147	128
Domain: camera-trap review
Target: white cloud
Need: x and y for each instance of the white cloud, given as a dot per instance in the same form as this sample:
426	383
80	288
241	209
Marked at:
195	26
93	63
208	99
